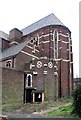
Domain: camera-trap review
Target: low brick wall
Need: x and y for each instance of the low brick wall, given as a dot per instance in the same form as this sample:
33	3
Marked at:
12	86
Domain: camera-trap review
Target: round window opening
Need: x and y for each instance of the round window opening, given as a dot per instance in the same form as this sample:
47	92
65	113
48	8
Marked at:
50	64
39	64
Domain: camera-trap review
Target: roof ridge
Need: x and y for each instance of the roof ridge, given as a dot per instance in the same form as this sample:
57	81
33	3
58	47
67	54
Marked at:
50	19
38	20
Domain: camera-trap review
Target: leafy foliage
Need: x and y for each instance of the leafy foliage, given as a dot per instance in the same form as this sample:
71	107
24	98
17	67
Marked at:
77	101
62	112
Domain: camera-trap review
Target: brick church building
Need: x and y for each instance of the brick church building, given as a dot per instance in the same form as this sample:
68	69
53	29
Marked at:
37	60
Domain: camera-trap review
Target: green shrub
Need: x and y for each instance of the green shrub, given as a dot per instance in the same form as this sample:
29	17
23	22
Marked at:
77	101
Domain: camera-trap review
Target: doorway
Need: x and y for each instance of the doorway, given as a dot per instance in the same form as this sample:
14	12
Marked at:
28	96
28	88
38	97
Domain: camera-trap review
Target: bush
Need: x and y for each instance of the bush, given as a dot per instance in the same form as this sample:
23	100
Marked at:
77	101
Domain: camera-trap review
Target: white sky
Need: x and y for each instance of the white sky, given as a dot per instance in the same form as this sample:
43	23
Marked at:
21	13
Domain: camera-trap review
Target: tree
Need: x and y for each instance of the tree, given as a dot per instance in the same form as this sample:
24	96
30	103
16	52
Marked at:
77	101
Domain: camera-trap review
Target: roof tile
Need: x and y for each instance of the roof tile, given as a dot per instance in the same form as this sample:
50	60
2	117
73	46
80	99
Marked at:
46	21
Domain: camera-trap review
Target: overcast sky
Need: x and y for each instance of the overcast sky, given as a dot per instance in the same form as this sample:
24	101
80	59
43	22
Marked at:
21	13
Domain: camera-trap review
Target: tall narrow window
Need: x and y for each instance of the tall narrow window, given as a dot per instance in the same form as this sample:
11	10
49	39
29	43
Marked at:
29	80
34	44
37	40
55	45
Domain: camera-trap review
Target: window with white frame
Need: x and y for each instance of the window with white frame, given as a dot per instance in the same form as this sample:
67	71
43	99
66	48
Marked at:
8	63
29	80
55	44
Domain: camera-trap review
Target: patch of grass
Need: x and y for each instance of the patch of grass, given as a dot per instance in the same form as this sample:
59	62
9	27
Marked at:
12	107
62	112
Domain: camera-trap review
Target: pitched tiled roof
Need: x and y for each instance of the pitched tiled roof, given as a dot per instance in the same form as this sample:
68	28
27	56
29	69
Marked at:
46	21
13	50
4	35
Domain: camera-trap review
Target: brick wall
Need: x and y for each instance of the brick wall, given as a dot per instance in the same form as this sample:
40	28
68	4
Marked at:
46	49
21	59
12	86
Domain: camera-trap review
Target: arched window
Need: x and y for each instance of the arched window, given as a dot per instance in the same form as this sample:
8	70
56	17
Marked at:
29	80
55	44
9	63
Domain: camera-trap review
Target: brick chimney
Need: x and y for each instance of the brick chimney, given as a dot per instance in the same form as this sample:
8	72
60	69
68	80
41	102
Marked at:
15	36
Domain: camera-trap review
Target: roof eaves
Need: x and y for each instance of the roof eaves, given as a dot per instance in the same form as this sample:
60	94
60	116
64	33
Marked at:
12	51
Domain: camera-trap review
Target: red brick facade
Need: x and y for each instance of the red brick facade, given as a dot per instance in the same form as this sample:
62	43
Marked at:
52	75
